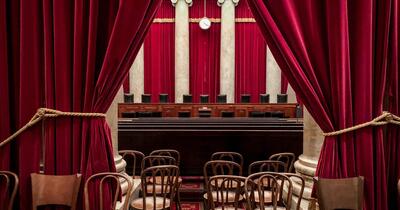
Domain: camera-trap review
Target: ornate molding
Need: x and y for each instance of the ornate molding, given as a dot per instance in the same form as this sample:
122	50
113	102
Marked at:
221	2
188	2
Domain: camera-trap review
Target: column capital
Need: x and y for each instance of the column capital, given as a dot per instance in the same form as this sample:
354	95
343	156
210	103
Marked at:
188	2
221	2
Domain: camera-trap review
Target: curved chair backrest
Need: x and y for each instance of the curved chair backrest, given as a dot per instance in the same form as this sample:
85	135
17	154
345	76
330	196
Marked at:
135	157
168	185
287	157
398	189
157	160
55	190
8	187
106	179
259	184
220	167
300	182
345	193
230	156
168	152
267	166
225	190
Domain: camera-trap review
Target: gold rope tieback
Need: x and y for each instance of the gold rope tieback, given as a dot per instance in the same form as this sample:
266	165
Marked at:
383	119
43	113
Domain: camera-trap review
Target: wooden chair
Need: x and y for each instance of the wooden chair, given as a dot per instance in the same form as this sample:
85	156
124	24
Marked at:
55	190
398	189
164	196
230	156
287	157
346	193
299	180
101	180
264	191
133	159
225	192
168	152
8	187
266	166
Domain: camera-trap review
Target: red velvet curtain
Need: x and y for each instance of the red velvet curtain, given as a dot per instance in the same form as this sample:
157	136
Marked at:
204	52
159	55
334	54
250	56
71	56
284	84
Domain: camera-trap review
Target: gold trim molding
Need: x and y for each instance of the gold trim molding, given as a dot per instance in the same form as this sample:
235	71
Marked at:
197	20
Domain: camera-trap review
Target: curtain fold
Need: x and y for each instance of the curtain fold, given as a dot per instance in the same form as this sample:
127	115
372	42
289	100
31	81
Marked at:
71	56
204	52
334	54
250	56
159	55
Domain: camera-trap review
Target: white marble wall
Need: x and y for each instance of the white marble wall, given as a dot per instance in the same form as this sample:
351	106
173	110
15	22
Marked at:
273	77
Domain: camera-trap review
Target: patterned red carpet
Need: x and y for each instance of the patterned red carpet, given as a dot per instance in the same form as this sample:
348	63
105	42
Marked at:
191	206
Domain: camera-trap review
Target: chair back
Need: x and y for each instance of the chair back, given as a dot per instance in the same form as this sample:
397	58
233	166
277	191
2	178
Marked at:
287	157
134	159
266	166
187	98
267	188
225	191
107	179
128	97
220	167
168	152
300	182
8	189
157	160
346	193
55	190
230	156
165	179
282	98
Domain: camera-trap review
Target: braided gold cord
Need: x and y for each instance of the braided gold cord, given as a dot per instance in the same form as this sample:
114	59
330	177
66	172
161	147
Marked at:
383	119
43	113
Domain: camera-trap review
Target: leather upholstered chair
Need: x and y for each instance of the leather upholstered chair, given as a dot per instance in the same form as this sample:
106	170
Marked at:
187	98
264	98
128	97
163	98
55	190
146	98
221	98
100	179
204	99
346	193
282	98
245	98
9	186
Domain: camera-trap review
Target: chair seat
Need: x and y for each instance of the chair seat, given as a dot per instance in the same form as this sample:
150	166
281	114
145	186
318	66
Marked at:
159	201
271	208
158	188
158	180
231	196
233	185
267	196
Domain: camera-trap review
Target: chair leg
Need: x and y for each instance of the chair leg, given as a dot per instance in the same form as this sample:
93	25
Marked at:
178	197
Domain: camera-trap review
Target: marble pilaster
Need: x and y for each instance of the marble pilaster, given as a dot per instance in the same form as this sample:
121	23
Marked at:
227	61
273	77
136	76
181	48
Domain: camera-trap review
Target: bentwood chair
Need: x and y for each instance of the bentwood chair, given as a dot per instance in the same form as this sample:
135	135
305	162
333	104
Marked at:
266	166
398	189
225	192
346	193
165	192
55	190
287	157
264	190
230	156
8	187
219	167
133	159
300	182
168	152
103	182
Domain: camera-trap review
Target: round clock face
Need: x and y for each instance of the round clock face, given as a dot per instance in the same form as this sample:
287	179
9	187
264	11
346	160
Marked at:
205	23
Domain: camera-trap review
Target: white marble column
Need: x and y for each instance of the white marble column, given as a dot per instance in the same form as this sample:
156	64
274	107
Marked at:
227	61
307	163
273	77
112	120
136	76
181	48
